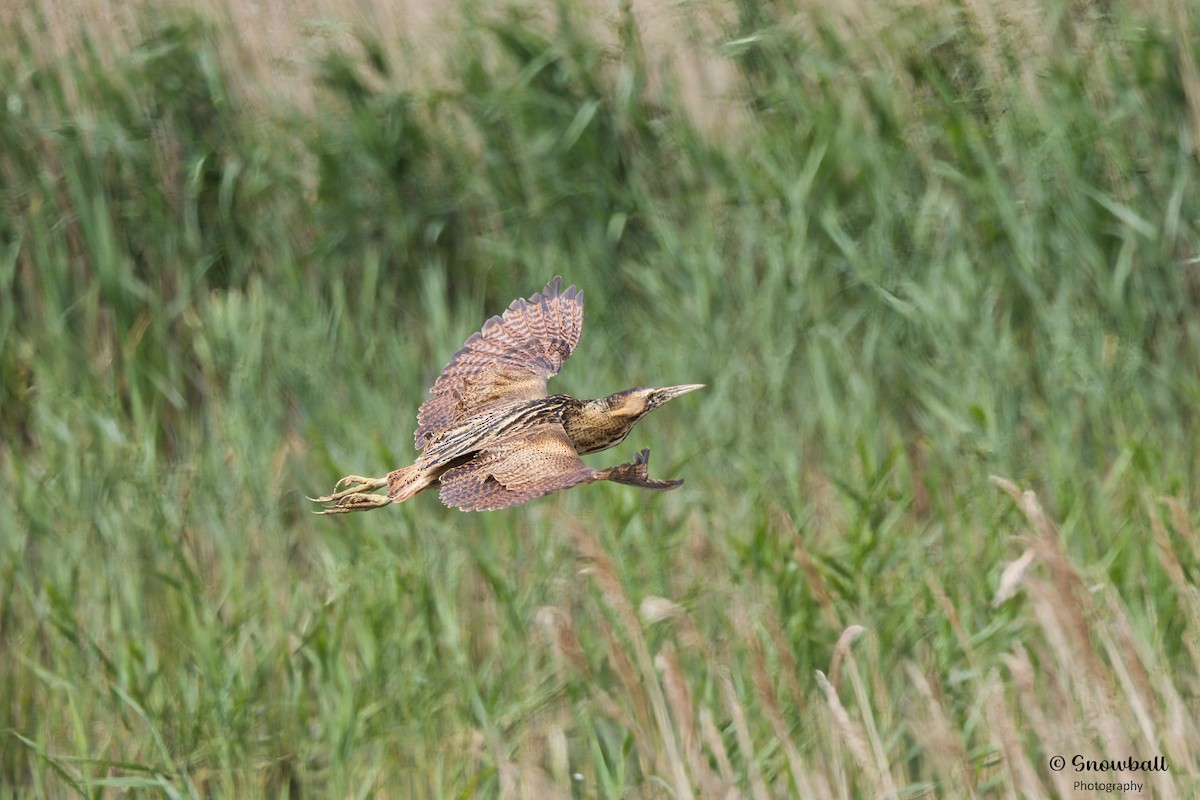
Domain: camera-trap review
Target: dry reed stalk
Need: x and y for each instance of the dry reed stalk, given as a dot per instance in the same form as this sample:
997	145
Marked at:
559	631
604	574
560	758
682	39
789	670
506	771
981	15
947	606
716	746
1189	74
1067	614
678	698
737	716
1147	701
680	701
741	620
655	609
866	713
619	661
939	739
1018	774
1090	684
1182	728
1166	553
556	629
1127	703
658	609
1012	576
769	700
271	50
846	730
1071	605
1181	521
1055	735
840	650
1130	658
815	581
1189	595
532	780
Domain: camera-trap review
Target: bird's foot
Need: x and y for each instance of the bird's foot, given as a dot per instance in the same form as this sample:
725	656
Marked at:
355	497
638	474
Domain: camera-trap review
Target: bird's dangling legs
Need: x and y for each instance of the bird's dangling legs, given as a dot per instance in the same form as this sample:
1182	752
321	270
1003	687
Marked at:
401	484
355	497
636	474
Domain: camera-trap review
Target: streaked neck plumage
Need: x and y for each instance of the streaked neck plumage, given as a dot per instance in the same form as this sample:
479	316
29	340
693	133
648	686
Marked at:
595	425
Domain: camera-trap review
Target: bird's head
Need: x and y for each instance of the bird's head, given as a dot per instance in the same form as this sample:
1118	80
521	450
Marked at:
603	423
636	403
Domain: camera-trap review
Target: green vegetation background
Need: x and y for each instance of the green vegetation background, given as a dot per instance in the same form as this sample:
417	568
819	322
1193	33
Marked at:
929	245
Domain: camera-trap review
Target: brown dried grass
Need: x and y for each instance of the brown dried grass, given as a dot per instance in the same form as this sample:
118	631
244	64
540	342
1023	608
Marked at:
1084	681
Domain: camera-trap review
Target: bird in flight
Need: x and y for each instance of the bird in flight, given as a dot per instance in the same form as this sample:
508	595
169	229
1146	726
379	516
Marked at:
491	436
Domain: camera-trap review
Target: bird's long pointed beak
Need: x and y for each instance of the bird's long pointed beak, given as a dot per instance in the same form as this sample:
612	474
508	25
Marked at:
671	392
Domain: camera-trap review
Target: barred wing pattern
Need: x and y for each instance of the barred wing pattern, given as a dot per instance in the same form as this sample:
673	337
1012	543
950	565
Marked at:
510	358
537	462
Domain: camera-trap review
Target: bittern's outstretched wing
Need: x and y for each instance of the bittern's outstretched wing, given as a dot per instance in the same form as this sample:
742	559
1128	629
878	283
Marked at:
515	470
536	462
510	358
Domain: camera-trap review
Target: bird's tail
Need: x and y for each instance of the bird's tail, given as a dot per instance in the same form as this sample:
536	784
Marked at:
405	482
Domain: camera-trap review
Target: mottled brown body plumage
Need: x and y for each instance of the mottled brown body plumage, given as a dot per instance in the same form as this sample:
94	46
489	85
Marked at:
492	437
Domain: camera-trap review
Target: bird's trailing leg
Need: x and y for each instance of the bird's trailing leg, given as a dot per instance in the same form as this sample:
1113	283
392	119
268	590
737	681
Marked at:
636	474
355	497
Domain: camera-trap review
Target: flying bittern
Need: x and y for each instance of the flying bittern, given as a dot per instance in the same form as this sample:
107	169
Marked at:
492	437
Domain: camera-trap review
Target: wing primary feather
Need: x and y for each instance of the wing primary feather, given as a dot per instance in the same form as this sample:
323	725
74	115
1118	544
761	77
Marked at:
510	358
